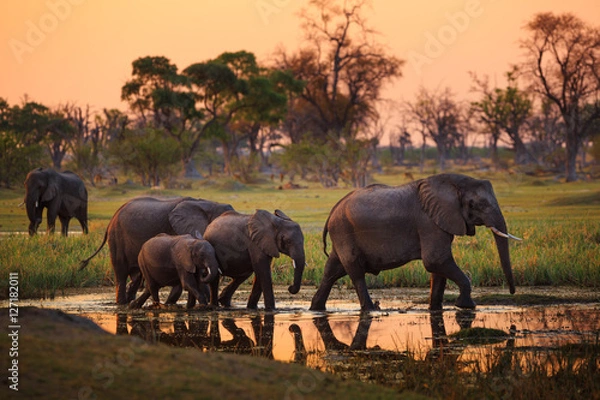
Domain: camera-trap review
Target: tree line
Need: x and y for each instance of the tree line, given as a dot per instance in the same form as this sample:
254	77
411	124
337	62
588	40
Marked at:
316	112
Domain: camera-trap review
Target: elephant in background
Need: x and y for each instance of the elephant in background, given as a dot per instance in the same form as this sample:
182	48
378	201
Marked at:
247	244
141	219
63	194
382	227
181	261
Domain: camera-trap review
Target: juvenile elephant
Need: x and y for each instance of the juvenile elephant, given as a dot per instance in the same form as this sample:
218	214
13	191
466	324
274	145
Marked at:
181	261
143	218
381	227
247	244
62	193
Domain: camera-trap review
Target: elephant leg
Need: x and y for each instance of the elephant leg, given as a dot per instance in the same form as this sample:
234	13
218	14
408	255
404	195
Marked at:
436	293
139	302
255	294
51	222
195	293
360	285
333	271
134	285
263	282
153	288
196	290
121	287
51	214
448	269
64	225
174	295
214	290
227	293
84	225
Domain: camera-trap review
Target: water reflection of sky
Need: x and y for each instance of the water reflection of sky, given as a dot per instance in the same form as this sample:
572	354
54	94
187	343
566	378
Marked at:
294	334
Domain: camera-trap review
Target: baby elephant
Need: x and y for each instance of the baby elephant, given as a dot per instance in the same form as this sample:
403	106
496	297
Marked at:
183	262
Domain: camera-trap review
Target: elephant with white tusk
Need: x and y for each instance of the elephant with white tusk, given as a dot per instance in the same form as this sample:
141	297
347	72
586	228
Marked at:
246	244
383	227
63	194
180	261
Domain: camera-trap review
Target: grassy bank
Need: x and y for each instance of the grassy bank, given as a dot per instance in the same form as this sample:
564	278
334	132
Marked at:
67	357
560	225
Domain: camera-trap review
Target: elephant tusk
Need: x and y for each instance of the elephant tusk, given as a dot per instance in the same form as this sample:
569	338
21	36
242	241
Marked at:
21	204
504	235
294	263
514	237
36	204
220	272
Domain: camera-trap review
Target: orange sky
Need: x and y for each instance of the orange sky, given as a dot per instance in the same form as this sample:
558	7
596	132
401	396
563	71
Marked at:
80	51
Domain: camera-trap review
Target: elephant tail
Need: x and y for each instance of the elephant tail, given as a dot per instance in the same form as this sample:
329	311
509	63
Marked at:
325	231
85	262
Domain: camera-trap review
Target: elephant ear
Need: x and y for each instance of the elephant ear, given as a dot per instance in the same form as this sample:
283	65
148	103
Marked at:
440	199
282	215
263	232
50	192
188	217
183	256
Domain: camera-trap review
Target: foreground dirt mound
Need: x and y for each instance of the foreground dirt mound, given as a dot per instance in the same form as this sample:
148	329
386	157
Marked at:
62	356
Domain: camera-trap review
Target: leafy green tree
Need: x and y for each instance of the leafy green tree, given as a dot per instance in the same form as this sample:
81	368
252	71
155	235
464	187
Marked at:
149	154
161	98
22	140
238	98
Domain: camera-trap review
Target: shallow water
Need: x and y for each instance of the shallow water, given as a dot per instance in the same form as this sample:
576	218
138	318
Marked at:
326	340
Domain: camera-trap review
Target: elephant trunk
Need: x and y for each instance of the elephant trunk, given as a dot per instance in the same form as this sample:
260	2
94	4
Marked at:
299	263
32	203
211	272
499	224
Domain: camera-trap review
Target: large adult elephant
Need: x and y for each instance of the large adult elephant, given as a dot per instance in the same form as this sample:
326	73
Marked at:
143	218
247	244
63	194
382	227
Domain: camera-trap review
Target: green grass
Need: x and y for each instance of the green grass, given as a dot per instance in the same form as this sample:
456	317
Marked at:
559	222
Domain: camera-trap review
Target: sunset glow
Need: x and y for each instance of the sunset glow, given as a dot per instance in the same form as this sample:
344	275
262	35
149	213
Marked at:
78	51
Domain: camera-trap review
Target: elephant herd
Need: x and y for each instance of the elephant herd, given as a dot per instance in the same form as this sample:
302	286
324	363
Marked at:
189	243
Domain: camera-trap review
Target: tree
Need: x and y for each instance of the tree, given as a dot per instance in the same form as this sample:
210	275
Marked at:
148	153
23	140
348	67
400	142
563	63
504	111
439	117
344	69
161	98
547	133
238	98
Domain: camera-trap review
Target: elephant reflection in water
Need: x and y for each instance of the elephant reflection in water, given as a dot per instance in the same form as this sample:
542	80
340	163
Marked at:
204	333
358	346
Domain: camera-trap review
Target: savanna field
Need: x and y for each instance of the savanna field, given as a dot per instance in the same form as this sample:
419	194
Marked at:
559	223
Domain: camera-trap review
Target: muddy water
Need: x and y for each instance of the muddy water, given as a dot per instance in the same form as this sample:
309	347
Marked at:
326	340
